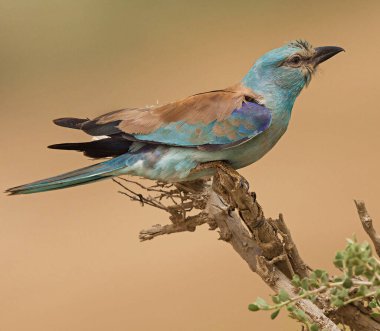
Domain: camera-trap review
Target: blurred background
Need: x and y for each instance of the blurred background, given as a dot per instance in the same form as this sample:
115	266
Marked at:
71	259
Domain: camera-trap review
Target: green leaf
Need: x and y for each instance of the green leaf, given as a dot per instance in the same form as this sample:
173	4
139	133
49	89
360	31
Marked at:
262	303
276	299
342	293
290	308
376	282
338	302
300	315
338	261
347	283
359	270
314	327
319	272
305	284
375	315
253	307
296	280
373	304
325	278
362	290
313	277
275	314
283	295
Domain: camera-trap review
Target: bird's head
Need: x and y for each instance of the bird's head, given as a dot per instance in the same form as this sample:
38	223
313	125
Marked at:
285	71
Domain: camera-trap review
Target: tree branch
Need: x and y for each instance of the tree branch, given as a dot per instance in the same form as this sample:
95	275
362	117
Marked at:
265	244
233	232
190	224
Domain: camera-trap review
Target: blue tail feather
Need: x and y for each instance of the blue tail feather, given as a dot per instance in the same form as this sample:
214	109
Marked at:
81	176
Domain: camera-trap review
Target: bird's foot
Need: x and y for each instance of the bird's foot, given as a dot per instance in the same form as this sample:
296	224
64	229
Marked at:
224	167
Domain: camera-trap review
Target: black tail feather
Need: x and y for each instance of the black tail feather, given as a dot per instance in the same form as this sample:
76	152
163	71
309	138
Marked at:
108	147
70	122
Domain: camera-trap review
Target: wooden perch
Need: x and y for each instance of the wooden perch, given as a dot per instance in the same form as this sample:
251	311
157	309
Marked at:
266	244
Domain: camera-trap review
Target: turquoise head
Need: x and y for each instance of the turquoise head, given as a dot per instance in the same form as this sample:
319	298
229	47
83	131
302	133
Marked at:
281	74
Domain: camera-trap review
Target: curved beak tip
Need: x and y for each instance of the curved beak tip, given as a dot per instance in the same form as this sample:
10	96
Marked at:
324	53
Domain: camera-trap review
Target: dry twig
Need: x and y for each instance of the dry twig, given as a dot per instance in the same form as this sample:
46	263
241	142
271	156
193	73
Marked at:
368	224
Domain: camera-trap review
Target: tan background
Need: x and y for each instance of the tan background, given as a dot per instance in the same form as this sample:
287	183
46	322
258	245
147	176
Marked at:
71	259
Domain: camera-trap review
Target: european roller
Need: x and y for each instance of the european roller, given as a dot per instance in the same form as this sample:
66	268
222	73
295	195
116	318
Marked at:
237	125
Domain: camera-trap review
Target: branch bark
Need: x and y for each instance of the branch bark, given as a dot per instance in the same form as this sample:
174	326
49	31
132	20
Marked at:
265	244
190	225
233	232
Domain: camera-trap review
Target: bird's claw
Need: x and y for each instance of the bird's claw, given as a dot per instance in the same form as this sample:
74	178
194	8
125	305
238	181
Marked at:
244	184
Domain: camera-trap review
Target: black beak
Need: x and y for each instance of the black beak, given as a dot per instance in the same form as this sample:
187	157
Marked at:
324	53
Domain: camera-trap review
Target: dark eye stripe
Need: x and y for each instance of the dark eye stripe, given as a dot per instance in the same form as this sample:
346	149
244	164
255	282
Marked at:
294	60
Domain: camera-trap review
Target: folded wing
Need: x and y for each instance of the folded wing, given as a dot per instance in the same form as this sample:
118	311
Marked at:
210	121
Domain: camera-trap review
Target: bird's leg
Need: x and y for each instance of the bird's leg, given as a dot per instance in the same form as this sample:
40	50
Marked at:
216	164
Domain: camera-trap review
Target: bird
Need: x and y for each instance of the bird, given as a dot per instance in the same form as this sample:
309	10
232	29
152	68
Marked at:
237	125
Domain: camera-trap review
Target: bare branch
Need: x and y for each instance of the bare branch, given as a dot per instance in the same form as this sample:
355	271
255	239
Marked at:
190	224
367	224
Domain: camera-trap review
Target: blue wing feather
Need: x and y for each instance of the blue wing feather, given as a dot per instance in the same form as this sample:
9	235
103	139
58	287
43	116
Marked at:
243	124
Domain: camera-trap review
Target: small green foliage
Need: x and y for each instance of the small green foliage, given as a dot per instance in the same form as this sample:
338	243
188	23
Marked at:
314	327
275	314
283	295
356	260
253	307
347	283
373	304
362	290
276	299
300	316
262	304
337	302
290	308
338	261
296	281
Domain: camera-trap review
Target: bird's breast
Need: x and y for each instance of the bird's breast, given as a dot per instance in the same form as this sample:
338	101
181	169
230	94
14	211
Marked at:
256	148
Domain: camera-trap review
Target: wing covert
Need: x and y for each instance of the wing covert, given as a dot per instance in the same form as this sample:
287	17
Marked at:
209	121
243	124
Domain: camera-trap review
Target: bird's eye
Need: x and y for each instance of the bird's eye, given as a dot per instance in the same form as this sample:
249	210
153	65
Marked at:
295	60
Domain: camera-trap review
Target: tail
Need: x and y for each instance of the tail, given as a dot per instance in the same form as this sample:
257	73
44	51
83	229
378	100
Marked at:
70	122
82	176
